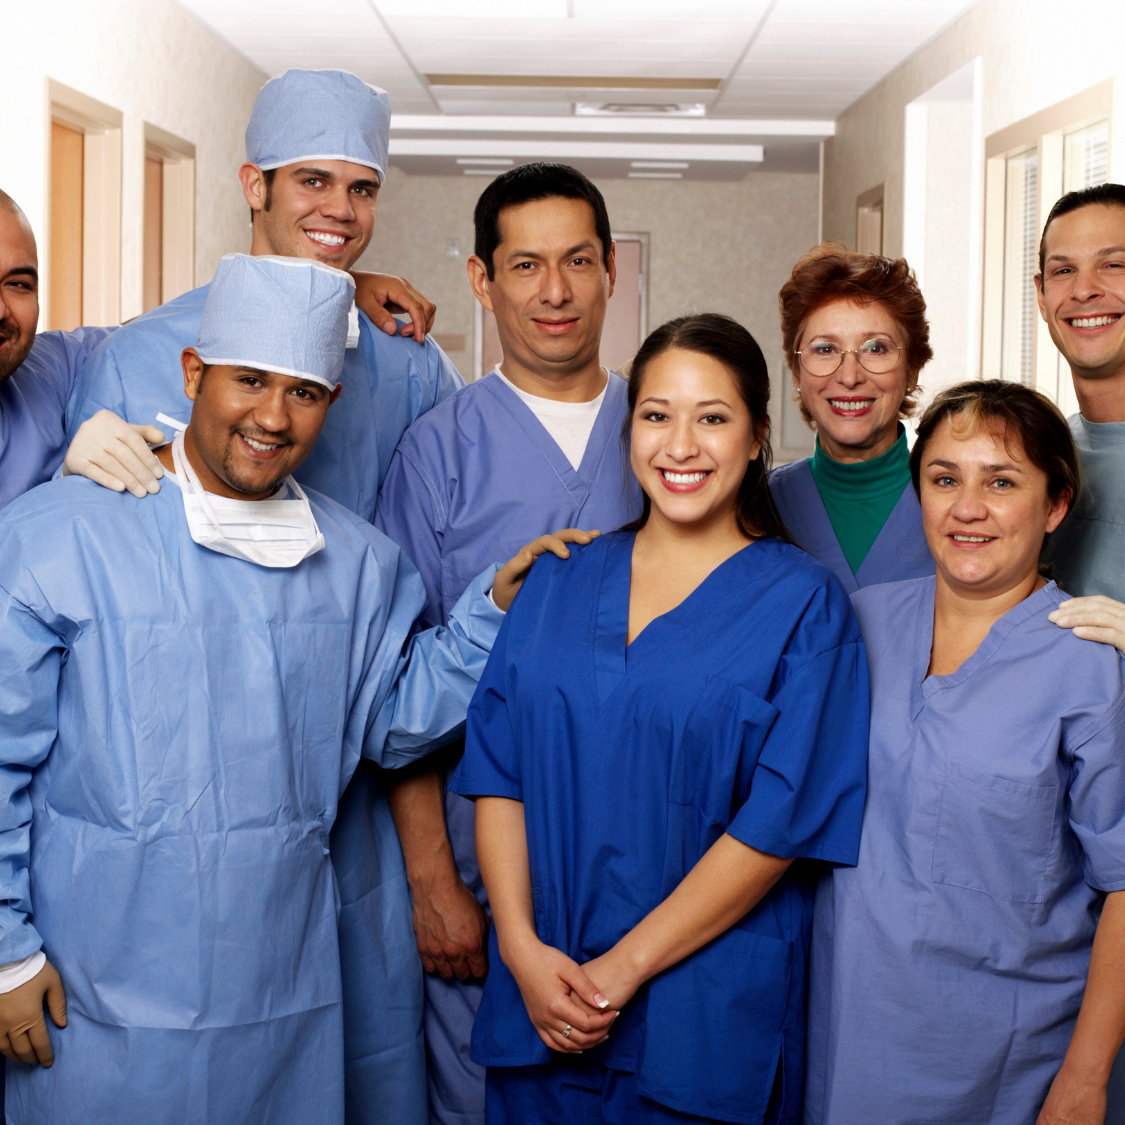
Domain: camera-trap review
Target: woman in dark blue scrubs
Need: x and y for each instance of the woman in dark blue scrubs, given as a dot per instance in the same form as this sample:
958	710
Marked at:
669	720
856	337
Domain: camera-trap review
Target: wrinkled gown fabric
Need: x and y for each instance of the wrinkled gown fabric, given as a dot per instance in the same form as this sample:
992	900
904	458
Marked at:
949	964
176	728
387	383
741	711
470	483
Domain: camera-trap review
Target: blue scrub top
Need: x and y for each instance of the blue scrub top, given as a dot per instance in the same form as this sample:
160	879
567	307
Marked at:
33	402
387	381
176	728
742	710
899	552
948	966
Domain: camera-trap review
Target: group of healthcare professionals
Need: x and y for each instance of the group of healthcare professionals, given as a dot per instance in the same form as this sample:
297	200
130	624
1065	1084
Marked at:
774	797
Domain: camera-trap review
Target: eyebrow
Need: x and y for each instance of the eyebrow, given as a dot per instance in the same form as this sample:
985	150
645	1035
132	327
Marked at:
666	402
1060	257
587	245
23	271
324	174
1004	467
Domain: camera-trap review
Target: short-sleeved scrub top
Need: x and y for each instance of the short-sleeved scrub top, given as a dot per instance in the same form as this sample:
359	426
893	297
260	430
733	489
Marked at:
741	711
949	964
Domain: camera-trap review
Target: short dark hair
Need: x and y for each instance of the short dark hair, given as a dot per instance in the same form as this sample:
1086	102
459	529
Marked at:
528	183
1108	195
725	340
1015	410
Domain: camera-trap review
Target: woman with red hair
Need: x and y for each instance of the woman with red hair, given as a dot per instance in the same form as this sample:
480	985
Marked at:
856	339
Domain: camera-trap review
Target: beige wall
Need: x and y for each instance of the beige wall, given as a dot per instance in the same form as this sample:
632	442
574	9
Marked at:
154	62
722	247
1032	53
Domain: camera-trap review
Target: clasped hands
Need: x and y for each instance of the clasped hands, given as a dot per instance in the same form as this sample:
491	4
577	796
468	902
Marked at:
560	994
23	1027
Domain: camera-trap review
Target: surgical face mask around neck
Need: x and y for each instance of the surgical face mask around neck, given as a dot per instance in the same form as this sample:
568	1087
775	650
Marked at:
266	532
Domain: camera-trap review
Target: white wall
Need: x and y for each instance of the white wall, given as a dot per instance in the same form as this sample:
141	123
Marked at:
714	247
154	62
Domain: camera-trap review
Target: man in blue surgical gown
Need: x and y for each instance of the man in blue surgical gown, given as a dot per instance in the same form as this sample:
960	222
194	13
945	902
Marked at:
531	447
187	683
316	149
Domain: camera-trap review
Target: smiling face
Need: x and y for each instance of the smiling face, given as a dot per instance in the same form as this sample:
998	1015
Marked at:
985	508
1082	289
550	286
856	413
250	429
692	439
321	209
19	290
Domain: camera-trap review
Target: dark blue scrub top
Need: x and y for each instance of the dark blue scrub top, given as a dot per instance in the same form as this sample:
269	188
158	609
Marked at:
743	710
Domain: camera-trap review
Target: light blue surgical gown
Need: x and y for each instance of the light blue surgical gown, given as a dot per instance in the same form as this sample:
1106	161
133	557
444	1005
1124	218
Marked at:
899	552
741	711
33	408
388	382
176	728
949	964
471	482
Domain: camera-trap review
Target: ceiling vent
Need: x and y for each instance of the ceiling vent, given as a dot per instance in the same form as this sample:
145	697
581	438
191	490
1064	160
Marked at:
639	109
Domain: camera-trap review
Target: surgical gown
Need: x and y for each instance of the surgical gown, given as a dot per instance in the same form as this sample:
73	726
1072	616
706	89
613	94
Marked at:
471	482
176	728
388	382
743	710
33	408
948	966
899	552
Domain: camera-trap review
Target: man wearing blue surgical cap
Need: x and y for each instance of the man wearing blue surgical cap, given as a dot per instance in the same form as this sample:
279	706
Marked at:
186	684
316	151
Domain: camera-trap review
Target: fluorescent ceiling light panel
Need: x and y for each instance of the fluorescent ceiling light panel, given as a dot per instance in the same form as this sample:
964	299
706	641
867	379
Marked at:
659	164
499	161
625	109
575	150
571	82
656	175
506	123
487	9
480	172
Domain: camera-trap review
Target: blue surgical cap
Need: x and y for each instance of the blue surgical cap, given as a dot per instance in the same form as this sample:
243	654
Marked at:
288	315
319	115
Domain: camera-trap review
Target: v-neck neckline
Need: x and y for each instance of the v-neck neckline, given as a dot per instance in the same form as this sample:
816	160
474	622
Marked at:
925	687
611	643
577	481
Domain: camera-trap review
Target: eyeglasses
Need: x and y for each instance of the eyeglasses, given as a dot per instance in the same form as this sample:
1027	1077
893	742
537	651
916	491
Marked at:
822	358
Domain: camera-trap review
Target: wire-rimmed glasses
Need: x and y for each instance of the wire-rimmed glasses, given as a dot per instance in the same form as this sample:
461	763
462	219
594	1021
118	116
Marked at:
823	358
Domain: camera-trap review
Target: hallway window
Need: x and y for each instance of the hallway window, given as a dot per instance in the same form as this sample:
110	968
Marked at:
1021	233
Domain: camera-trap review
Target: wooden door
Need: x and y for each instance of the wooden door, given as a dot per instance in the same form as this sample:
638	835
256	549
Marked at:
154	232
67	157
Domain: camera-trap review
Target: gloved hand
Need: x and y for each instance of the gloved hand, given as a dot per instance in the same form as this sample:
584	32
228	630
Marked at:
115	454
381	294
1095	618
23	1028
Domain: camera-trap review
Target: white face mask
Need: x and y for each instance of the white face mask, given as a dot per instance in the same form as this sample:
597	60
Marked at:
267	532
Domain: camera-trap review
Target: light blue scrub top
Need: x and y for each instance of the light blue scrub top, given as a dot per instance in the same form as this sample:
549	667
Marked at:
471	482
948	966
1088	550
899	552
33	407
176	728
387	382
741	711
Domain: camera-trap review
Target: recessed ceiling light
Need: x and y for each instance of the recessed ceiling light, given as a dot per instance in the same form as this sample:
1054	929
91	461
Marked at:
658	164
656	175
639	109
499	162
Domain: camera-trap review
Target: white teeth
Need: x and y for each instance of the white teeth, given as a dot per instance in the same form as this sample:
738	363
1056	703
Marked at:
682	478
862	405
258	445
326	239
972	538
1092	321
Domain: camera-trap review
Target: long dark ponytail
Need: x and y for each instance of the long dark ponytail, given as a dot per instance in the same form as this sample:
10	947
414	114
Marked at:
725	340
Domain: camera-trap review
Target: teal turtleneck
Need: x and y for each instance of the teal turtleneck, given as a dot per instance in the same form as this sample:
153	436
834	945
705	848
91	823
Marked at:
859	497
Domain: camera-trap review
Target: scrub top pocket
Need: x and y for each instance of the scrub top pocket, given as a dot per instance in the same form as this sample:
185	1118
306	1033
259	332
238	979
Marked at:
994	836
